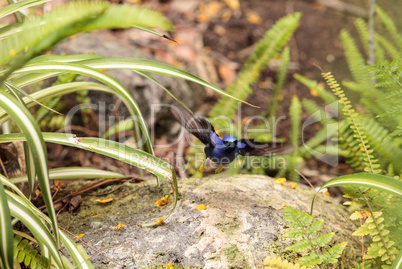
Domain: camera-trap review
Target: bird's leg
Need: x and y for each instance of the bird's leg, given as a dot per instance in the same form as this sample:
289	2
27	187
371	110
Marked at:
218	169
202	165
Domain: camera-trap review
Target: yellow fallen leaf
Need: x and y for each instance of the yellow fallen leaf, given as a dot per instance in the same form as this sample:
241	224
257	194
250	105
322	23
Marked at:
37	192
326	193
313	92
79	236
168	266
233	4
280	180
105	201
254	18
163	201
293	185
202	207
120	225
202	17
159	221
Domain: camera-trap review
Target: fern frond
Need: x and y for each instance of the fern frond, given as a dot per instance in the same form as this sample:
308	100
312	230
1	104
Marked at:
298	218
381	245
128	16
355	59
371	164
347	141
389	26
315	227
300	245
325	95
396	132
387	149
392	51
266	49
278	263
332	254
25	253
295	113
324	240
361	27
310	259
39	33
280	81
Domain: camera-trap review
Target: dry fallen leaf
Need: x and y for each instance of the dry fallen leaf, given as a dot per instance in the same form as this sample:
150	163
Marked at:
227	74
293	185
105	201
120	225
79	236
254	18
159	221
202	207
313	92
168	266
163	201
233	4
280	181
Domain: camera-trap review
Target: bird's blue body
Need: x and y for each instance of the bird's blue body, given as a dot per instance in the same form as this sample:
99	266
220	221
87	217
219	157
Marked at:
224	151
221	151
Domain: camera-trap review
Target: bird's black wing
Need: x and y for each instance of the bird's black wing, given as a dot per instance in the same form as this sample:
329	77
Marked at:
199	126
248	147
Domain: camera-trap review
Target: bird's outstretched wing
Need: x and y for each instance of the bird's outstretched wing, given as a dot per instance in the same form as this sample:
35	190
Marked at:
248	147
199	126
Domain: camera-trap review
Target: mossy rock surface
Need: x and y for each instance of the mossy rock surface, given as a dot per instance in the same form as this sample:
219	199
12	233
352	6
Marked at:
241	226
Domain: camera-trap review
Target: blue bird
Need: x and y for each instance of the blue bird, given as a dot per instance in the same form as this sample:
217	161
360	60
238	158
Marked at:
223	151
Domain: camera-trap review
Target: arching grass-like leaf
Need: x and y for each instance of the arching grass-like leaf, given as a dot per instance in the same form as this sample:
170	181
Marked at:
382	183
6	232
34	224
14	7
114	150
32	133
72	173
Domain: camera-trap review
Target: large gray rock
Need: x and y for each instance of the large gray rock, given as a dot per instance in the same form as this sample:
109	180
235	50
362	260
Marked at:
242	225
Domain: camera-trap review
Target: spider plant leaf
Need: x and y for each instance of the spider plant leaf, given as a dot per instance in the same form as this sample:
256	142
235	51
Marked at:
22	117
17	6
73	173
6	232
382	183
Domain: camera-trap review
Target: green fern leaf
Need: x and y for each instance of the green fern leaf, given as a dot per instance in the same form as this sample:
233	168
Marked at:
310	259
324	240
332	254
315	227
389	26
295	233
301	245
298	218
355	60
266	49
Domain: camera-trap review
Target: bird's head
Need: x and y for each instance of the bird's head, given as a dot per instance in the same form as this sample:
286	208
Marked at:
230	142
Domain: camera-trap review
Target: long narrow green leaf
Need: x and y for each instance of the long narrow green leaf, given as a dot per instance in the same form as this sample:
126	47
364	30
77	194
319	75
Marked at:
139	65
6	232
31	131
57	90
77	256
73	173
397	264
34	224
108	80
114	150
20	5
382	183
